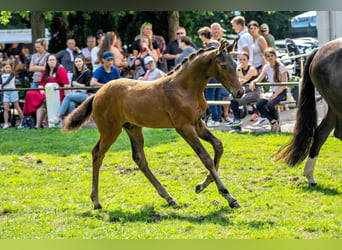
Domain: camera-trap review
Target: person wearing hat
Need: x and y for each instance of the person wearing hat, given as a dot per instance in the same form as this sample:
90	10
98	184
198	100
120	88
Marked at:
152	72
106	72
265	32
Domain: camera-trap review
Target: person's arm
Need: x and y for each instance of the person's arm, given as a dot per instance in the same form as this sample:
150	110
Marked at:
283	78
263	46
245	78
95	83
257	80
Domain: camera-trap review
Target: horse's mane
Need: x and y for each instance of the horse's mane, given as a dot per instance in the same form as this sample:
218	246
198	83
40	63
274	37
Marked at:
189	59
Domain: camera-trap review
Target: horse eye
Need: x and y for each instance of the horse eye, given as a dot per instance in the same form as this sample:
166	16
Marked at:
223	67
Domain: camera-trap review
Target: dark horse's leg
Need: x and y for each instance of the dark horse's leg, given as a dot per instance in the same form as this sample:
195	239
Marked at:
321	134
188	132
102	146
204	133
137	141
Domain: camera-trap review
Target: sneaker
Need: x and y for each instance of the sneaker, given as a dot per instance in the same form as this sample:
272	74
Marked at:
234	124
21	124
254	117
213	124
235	130
262	121
6	125
55	120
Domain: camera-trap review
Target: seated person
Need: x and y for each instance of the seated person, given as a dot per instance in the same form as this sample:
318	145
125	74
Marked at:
35	99
246	74
81	78
153	73
276	72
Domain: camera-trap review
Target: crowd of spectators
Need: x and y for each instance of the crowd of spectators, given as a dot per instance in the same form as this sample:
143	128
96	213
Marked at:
103	59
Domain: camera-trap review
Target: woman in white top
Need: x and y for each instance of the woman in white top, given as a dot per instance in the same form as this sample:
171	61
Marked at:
259	45
275	72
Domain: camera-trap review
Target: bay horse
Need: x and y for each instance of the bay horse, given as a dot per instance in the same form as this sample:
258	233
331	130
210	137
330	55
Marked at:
323	71
174	101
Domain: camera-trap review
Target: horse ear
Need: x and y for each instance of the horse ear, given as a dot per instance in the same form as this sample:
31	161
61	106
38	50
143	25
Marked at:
222	47
232	46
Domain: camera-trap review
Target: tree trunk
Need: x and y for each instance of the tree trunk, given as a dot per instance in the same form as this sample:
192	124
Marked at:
173	20
37	23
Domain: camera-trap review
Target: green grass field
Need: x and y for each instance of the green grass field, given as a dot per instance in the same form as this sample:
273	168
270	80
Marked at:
45	182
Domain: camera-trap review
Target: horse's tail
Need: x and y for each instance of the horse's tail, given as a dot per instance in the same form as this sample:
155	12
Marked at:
298	148
79	116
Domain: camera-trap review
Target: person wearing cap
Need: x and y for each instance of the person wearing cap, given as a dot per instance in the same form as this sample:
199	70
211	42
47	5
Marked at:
217	31
152	73
106	72
264	30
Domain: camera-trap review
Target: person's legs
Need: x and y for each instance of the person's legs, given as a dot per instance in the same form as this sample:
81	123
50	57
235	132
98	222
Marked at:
213	108
262	108
40	113
6	110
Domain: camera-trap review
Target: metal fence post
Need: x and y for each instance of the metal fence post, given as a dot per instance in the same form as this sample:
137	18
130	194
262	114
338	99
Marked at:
52	102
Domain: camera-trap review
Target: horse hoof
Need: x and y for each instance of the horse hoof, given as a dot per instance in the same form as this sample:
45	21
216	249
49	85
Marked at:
97	206
234	204
173	203
312	184
199	188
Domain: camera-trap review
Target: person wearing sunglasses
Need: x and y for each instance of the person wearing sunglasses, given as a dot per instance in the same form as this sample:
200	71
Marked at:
265	32
172	50
106	72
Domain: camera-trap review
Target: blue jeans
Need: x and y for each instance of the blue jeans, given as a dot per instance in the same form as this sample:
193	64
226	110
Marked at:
267	107
34	85
216	94
70	102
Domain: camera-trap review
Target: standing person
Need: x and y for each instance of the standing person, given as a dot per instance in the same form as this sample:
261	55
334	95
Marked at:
7	81
81	78
91	43
217	31
206	36
106	72
38	61
246	73
245	40
34	99
66	56
172	49
99	38
152	73
259	45
185	45
275	72
264	30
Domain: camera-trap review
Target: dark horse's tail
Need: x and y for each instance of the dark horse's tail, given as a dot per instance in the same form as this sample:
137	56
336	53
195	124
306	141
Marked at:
79	116
298	148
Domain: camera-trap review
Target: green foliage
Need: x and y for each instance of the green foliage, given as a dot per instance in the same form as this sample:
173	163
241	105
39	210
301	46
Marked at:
45	181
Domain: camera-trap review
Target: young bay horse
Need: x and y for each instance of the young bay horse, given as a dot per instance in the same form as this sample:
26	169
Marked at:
323	71
174	101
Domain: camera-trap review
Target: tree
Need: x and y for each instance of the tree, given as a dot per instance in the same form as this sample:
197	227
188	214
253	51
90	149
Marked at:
37	23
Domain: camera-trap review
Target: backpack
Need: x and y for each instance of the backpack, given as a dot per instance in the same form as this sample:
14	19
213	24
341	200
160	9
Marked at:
29	122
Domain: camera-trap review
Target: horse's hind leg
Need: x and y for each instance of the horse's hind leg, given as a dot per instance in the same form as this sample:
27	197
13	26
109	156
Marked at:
188	132
137	141
321	134
98	153
204	133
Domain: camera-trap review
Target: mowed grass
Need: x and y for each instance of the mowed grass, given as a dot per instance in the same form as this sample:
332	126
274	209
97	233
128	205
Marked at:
45	182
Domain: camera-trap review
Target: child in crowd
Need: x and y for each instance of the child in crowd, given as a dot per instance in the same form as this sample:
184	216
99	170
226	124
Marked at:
7	81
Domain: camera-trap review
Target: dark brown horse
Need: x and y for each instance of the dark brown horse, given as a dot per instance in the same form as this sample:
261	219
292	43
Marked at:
323	71
174	101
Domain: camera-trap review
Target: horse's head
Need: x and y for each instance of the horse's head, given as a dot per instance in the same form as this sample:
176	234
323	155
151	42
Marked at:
225	69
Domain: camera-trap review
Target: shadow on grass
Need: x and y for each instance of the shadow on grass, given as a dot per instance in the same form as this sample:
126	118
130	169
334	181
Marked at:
53	141
149	215
322	189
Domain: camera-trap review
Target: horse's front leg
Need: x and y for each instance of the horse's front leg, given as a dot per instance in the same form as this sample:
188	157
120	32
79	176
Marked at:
137	142
204	133
188	132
